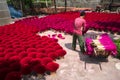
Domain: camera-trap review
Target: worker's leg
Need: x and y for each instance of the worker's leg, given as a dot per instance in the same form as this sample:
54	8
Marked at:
74	41
81	43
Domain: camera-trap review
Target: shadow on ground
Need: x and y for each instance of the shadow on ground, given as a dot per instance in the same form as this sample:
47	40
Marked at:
88	59
69	46
92	60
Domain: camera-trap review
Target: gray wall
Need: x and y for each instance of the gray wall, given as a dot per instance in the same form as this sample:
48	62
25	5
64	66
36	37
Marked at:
79	3
4	13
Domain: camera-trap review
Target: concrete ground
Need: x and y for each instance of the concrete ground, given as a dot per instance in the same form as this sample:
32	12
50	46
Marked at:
76	66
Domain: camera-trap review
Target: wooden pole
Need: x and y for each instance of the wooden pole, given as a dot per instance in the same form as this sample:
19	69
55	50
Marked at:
21	6
46	3
55	6
65	5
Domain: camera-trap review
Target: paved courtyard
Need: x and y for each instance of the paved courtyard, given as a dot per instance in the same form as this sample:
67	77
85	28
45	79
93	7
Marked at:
76	66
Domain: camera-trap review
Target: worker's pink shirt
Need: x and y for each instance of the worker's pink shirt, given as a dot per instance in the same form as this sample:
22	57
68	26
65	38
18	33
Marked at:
79	22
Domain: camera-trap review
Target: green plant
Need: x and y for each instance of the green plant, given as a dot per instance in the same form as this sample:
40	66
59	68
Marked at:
117	42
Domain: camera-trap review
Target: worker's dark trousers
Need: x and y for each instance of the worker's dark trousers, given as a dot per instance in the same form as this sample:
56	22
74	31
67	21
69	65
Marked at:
80	41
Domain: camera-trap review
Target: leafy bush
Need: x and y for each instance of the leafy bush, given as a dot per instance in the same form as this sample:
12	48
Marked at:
117	42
